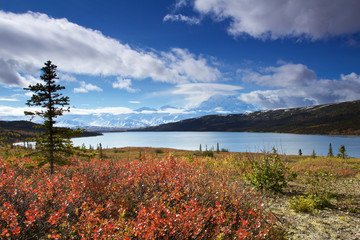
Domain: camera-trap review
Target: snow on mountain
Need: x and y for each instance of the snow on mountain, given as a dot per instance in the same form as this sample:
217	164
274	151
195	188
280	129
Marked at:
224	105
146	116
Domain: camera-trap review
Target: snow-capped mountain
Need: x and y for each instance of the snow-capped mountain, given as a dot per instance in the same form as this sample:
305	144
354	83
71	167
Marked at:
145	116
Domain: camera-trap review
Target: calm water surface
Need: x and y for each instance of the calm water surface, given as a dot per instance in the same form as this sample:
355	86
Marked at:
233	141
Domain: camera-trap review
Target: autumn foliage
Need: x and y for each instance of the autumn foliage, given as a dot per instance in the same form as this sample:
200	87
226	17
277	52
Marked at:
141	199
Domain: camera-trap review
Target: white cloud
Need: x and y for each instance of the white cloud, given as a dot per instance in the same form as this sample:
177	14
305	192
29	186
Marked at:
87	87
296	85
67	77
196	93
28	40
6	99
275	19
135	102
180	3
9	75
284	76
124	84
105	110
187	66
6	111
181	18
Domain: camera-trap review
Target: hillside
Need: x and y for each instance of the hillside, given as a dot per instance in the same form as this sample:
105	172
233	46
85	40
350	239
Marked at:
15	131
332	119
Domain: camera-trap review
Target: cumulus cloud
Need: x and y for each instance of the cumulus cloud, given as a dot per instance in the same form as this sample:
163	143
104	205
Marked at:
287	75
124	84
28	40
9	75
315	19
87	87
67	77
295	85
196	93
187	66
181	18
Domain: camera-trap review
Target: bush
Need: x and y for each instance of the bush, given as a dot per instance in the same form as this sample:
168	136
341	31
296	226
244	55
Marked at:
148	199
207	153
320	187
302	204
158	151
269	173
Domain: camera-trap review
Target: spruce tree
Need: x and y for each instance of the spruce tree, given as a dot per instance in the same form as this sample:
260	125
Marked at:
330	154
53	142
313	155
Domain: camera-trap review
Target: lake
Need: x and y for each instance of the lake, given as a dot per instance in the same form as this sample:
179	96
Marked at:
233	141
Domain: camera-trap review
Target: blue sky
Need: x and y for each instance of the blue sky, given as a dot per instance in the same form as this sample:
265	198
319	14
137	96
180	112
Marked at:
119	56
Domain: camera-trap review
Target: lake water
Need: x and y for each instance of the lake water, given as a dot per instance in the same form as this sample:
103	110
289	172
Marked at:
233	141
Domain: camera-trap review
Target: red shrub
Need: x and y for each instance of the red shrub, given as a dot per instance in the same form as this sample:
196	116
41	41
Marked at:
148	199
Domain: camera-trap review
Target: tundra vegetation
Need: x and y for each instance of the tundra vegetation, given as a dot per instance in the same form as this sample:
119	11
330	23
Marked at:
145	193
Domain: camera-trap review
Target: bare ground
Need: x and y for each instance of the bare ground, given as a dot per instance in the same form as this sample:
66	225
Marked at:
340	221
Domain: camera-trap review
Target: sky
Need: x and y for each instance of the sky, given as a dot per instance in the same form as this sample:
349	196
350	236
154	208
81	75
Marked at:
118	56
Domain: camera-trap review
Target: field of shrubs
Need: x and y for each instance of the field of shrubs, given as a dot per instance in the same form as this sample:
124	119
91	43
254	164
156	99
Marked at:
139	193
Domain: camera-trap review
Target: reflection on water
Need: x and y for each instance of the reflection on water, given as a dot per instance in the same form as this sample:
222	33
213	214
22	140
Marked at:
234	141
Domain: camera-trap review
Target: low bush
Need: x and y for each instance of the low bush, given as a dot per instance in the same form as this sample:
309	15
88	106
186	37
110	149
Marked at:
158	151
106	199
269	173
320	186
302	204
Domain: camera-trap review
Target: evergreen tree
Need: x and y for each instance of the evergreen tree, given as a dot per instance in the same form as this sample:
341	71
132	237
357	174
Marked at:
342	152
313	155
330	154
300	152
101	155
53	142
217	148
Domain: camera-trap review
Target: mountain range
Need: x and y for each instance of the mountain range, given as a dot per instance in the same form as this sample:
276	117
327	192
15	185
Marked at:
331	119
223	113
145	116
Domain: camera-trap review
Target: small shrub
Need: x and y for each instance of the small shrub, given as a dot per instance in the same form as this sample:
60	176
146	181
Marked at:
269	173
302	204
224	150
313	155
158	151
342	152
320	187
208	153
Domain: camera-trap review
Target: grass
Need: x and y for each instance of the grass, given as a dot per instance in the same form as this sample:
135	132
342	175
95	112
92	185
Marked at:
323	202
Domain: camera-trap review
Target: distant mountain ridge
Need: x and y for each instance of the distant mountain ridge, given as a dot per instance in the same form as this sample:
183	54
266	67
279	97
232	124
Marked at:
330	119
16	131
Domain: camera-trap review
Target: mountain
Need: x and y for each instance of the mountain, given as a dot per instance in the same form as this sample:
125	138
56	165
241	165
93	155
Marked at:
224	105
16	131
333	119
144	117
